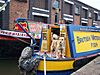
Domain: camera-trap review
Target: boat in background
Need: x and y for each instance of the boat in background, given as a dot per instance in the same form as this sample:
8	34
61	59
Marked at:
13	42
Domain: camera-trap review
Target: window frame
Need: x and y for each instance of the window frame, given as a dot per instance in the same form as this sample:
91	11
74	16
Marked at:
95	16
42	4
90	14
99	17
56	2
70	10
85	11
77	10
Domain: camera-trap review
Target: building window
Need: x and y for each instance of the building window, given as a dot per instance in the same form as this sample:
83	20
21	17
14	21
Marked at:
84	24
1	4
90	15
77	10
40	19
68	8
99	17
56	18
85	13
95	16
43	4
68	22
56	4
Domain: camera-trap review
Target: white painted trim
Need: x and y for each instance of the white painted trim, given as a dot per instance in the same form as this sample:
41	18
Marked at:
39	14
40	9
95	24
68	15
96	12
2	9
85	19
68	19
94	21
84	7
8	0
2	1
70	2
14	34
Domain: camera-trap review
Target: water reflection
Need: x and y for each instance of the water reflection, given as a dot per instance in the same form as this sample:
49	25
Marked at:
9	67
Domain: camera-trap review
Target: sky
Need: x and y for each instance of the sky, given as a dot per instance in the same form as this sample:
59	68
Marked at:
93	3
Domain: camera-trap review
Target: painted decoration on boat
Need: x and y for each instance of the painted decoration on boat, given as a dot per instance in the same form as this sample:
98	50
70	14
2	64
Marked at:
24	25
35	27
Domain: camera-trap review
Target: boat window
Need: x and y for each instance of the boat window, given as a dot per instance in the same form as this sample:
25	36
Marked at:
44	36
56	31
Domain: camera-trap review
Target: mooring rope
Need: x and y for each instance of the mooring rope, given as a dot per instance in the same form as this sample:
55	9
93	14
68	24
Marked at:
4	5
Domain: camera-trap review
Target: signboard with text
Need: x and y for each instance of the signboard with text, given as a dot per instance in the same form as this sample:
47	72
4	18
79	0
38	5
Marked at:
84	40
12	35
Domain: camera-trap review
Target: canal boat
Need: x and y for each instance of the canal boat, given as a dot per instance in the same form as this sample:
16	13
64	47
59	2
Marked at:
81	45
75	46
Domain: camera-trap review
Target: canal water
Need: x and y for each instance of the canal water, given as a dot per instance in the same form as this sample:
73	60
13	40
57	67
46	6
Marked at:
9	53
9	67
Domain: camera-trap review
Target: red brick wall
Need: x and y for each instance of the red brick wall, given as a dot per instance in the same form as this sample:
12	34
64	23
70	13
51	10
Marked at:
17	9
77	19
98	23
89	22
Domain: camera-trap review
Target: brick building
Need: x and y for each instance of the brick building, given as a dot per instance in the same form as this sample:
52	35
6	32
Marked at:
18	9
49	11
14	9
71	11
